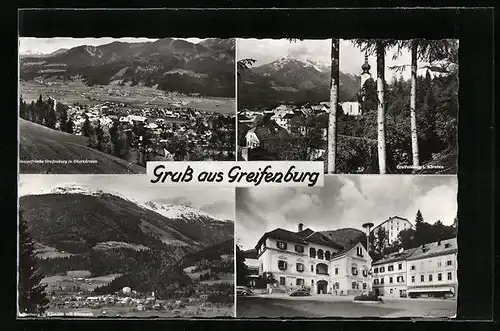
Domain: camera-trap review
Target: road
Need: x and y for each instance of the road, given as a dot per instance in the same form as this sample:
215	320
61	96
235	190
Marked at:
328	306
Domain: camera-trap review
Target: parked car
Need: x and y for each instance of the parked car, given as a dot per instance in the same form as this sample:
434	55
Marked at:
243	291
300	293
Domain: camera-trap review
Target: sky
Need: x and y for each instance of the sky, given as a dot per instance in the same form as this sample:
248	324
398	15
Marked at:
351	58
344	201
49	45
219	203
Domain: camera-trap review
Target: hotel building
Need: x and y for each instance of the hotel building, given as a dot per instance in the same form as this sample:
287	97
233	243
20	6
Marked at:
310	259
393	226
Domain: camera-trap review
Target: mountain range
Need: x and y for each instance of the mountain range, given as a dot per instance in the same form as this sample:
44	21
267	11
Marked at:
168	64
291	80
75	219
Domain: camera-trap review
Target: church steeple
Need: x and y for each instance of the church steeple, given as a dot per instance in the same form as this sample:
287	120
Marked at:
366	67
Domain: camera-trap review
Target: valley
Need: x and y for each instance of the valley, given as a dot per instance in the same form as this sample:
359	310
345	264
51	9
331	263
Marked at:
103	254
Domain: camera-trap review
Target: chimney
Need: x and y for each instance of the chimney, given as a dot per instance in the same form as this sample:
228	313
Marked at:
301	226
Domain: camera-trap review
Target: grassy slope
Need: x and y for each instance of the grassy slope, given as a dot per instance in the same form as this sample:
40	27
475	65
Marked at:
40	143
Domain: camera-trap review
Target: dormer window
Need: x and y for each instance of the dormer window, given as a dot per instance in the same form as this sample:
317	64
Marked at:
359	251
281	244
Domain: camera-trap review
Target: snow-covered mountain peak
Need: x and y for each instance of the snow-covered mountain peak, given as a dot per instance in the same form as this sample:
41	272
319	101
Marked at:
288	59
180	212
78	188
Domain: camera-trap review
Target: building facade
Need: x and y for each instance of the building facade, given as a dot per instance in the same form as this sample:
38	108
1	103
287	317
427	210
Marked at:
390	274
433	269
393	226
309	259
428	270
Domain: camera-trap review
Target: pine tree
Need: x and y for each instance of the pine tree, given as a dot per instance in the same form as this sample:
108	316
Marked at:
241	268
32	296
69	126
86	128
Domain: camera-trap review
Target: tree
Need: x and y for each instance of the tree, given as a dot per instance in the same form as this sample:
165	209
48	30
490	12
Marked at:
406	238
381	106
413	104
62	115
69	126
87	128
382	240
244	65
241	268
379	46
32	296
332	118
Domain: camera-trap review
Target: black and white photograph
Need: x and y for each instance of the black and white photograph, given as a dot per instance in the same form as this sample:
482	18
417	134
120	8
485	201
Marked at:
396	103
109	105
360	246
113	246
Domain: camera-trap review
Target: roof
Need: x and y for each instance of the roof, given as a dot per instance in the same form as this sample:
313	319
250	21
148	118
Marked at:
252	263
435	249
304	237
395	257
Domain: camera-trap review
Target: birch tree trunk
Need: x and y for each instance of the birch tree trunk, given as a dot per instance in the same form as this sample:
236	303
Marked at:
332	118
381	107
413	102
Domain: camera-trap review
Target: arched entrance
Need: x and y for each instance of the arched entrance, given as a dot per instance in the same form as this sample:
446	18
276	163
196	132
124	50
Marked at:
322	286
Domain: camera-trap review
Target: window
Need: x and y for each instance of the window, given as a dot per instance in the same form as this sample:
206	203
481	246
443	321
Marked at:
282	280
327	255
299	281
440	276
412	267
300	267
354	285
400	279
336	271
312	268
422	278
439	264
382	269
413	279
390	291
400	266
359	251
365	273
382	280
364	286
430	278
375	271
299	249
449	276
447	245
375	281
282	265
390	268
448	263
354	271
312	282
320	254
390	279
281	244
312	252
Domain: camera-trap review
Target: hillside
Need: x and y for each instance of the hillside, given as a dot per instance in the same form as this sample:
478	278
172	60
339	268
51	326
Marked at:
250	253
211	253
172	64
77	222
41	143
344	236
290	80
